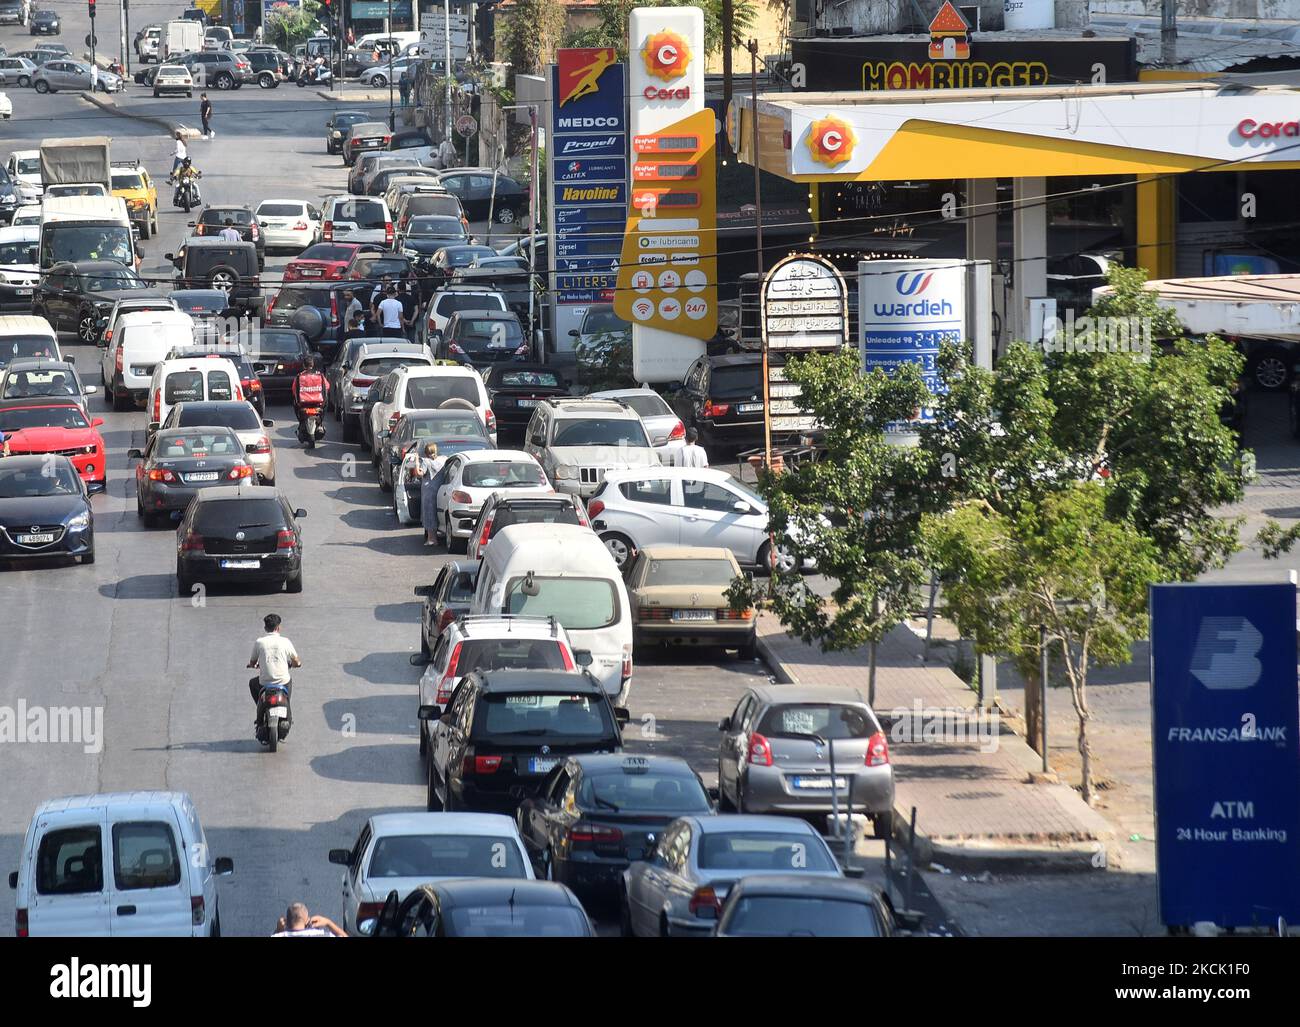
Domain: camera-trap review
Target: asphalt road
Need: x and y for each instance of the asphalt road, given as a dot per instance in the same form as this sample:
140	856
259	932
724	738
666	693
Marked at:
169	674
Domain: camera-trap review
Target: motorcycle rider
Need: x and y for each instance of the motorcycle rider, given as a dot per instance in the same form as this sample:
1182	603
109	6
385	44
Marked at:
273	656
310	388
185	175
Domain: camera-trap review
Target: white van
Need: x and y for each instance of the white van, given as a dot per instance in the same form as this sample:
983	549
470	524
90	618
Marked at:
396	40
86	228
139	342
26	335
564	571
128	864
190	380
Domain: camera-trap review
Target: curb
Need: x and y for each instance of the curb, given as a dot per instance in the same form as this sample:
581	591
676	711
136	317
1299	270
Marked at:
110	106
973	854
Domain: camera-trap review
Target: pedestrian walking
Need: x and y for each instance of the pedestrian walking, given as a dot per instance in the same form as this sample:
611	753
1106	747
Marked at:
692	454
404	87
179	154
205	115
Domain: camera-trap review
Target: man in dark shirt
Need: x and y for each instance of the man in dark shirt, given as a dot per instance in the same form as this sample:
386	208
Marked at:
205	115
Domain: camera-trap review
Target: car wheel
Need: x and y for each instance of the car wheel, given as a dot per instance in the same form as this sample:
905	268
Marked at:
378	81
183	584
224	80
293	585
432	803
42	86
117	400
749	651
223	277
725	805
1270	369
24	80
156	94
786	561
620	548
506	216
266	80
349	429
663	926
625	915
424	744
87	327
146	230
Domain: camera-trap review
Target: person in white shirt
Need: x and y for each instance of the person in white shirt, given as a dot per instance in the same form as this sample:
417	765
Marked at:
390	314
179	154
298	923
692	454
230	233
273	656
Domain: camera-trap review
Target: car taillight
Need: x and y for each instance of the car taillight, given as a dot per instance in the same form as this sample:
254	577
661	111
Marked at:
117	361
487	533
334	306
586	833
157	406
760	751
198	229
566	656
262	445
156	475
877	750
457	496
712	409
327	231
254	232
300	226
363	383
491	419
654	613
196	910
242	471
729	614
285	539
20	923
369	911
487	764
595	508
192	543
252	384
270	306
388	232
455	347
704	899
627	660
449	677
678	432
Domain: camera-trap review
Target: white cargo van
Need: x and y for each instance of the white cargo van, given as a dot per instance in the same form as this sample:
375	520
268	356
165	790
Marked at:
128	864
86	228
563	571
140	342
190	380
26	335
179	37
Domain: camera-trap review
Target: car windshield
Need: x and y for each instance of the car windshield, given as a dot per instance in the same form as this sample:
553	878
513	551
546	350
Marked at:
111	280
435	227
123	180
510	654
362	213
716	573
767	916
829	720
448	427
205	302
277	343
450	302
40	383
427	393
762	850
69	241
14	419
599	431
58	479
446	855
377	367
173	446
534	513
734	381
462	256
646	405
580	604
636	788
13	347
502	474
516	921
237	415
17	251
605	320
479	334
326	251
220	215
29	165
281	210
528	379
544	715
428	203
344	119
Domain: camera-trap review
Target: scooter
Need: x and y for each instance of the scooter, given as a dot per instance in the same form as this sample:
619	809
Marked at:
309	74
273	716
312	426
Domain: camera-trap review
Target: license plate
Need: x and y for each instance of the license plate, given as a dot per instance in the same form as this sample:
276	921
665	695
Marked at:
241	565
32	539
23	292
202	476
277	711
538	765
749	408
310	273
526	402
692	615
823	783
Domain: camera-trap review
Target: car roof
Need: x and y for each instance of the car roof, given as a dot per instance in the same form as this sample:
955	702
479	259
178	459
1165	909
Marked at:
474	891
44	363
670	765
491	456
27	233
535	534
806	886
230	492
507	682
687	553
437	371
619	393
577	406
709	474
735	360
784	694
743	821
84	266
503	625
212	242
96	799
442	823
167	433
377	347
494	315
29	462
202	405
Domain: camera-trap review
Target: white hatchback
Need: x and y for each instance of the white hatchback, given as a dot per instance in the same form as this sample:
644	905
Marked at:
428	388
401	851
289	224
473	476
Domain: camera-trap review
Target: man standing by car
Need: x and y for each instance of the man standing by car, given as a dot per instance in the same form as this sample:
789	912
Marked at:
205	115
391	315
692	454
273	655
230	233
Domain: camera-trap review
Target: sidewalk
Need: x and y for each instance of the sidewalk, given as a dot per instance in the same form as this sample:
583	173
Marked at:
973	797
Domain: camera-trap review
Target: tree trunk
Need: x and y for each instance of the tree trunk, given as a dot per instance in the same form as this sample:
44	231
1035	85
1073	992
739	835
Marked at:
1033	710
1085	758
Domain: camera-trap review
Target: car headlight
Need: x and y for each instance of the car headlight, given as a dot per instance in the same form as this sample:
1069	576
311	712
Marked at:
81	520
410	253
566	471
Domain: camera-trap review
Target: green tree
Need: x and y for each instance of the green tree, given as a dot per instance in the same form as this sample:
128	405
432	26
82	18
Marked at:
530	36
612	16
288	26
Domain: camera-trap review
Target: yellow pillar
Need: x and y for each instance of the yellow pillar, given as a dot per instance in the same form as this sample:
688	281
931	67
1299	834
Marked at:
1155	225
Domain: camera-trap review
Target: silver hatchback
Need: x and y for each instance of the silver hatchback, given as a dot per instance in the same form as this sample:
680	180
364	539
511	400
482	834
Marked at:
775	753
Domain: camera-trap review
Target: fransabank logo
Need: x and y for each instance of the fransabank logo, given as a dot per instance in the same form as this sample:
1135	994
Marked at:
913	284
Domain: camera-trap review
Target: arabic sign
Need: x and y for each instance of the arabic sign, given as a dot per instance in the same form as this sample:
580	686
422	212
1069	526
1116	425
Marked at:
1224	739
804	308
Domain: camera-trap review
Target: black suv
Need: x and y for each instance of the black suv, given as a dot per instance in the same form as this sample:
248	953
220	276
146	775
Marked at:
239	533
213	219
504	731
482	338
268	67
75	296
231	267
722	397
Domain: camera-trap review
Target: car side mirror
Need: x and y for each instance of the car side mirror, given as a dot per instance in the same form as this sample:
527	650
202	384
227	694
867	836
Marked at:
741	507
367	928
856	873
91	390
341	857
418	660
430	713
72	359
713	793
574	333
300	512
251	448
170	257
621	714
223	866
724	724
13	879
424	591
191	223
134	454
267	423
96	422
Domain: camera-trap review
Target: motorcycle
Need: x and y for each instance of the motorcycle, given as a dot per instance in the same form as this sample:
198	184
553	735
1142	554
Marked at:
187	195
273	716
309	74
312	427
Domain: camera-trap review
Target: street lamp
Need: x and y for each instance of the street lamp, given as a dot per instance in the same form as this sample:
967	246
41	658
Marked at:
392	115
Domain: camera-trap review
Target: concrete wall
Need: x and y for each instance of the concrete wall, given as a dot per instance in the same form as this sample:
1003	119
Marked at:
1287	10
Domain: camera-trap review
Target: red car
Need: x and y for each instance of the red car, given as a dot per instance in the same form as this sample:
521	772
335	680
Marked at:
45	424
323	262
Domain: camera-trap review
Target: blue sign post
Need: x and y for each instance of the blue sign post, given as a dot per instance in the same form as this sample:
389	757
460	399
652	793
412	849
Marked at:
1226	756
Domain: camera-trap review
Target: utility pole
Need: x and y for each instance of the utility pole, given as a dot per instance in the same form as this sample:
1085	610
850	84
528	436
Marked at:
126	33
446	17
392	115
752	46
94	68
1168	33
728	20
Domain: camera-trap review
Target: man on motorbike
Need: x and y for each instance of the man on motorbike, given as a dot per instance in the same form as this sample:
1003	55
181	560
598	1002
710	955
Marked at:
186	175
273	656
310	388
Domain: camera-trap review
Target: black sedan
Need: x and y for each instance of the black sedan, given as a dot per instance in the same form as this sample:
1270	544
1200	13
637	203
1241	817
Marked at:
426	234
336	128
455	431
44	509
445	600
278	357
474	187
44	23
804	906
75	296
444	262
595	814
479	907
514	391
178	462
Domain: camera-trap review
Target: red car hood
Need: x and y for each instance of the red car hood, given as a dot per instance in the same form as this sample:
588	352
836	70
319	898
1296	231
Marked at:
45	440
329	268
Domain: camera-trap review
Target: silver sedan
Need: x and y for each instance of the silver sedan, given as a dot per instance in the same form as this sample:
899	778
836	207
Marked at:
679	890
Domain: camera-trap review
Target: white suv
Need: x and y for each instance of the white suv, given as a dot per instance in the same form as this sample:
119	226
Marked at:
491	642
428	388
578	441
349	218
373	360
472	477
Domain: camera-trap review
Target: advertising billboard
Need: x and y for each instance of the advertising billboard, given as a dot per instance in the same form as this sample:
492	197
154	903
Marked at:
1226	759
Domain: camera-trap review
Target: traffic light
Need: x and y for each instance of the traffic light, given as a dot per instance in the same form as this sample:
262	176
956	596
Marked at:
91	4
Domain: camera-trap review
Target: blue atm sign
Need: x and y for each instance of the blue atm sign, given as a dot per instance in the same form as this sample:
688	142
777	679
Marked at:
1227	758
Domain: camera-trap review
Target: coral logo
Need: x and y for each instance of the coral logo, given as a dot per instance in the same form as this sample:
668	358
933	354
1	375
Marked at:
913	284
667	55
830	141
580	71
